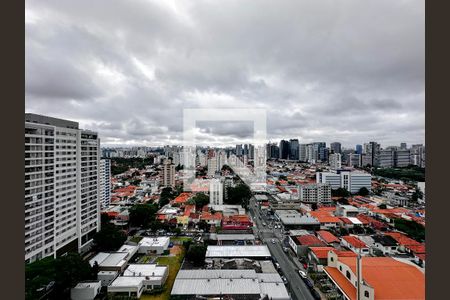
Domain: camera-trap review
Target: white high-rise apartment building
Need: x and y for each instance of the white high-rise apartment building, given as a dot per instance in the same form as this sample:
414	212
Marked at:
319	193
335	161
62	207
168	174
215	192
105	182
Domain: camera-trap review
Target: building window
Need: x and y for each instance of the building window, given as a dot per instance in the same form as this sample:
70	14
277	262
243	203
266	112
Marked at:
348	274
340	268
331	258
366	294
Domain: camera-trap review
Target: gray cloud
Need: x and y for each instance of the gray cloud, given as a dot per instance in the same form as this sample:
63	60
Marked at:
349	71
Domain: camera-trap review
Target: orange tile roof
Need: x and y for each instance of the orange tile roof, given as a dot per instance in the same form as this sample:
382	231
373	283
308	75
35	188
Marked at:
390	278
344	253
321	252
182	198
417	249
210	216
341	281
354	241
403	239
310	240
327	236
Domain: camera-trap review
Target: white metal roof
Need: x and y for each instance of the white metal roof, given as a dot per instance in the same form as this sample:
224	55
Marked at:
354	220
154	241
238	251
216	282
151	270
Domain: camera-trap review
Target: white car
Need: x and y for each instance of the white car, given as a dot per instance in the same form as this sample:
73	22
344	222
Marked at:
273	241
302	273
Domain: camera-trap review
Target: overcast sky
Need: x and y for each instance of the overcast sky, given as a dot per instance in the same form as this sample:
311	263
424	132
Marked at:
348	71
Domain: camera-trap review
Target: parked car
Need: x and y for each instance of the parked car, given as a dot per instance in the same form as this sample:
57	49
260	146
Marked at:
315	294
308	282
302	273
284	279
273	241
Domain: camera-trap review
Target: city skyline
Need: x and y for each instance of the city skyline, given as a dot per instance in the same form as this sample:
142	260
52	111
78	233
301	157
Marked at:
310	65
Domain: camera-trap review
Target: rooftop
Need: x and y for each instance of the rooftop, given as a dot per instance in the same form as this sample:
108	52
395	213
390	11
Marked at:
354	241
229	282
238	251
390	278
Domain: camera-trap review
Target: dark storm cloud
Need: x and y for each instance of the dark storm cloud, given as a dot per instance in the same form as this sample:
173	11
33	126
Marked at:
350	71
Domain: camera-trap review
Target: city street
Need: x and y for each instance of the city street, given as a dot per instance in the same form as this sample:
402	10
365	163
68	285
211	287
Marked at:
296	287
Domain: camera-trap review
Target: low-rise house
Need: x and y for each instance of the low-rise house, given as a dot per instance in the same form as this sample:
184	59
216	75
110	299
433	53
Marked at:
356	245
385	243
300	244
318	257
328	238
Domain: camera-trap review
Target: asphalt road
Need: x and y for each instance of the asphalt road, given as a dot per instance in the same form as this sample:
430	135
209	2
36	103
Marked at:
296	286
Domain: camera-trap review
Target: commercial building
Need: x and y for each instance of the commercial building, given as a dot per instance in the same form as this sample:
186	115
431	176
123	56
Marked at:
168	174
354	160
138	278
352	181
302	152
62	194
294	149
372	151
336	147
284	149
229	284
105	182
319	193
255	252
335	161
292	219
155	245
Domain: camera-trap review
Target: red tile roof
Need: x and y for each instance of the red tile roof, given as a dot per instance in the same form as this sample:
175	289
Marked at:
310	240
321	252
354	241
182	198
327	236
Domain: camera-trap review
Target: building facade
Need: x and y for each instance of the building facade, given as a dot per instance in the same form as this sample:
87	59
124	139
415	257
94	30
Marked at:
105	182
62	194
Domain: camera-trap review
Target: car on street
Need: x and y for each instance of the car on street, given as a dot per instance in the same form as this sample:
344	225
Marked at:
315	294
284	279
302	273
273	241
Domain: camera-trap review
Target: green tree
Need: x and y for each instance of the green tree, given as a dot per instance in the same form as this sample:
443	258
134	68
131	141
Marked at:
196	254
382	206
167	194
65	272
340	192
142	214
240	194
363	191
109	238
200	200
